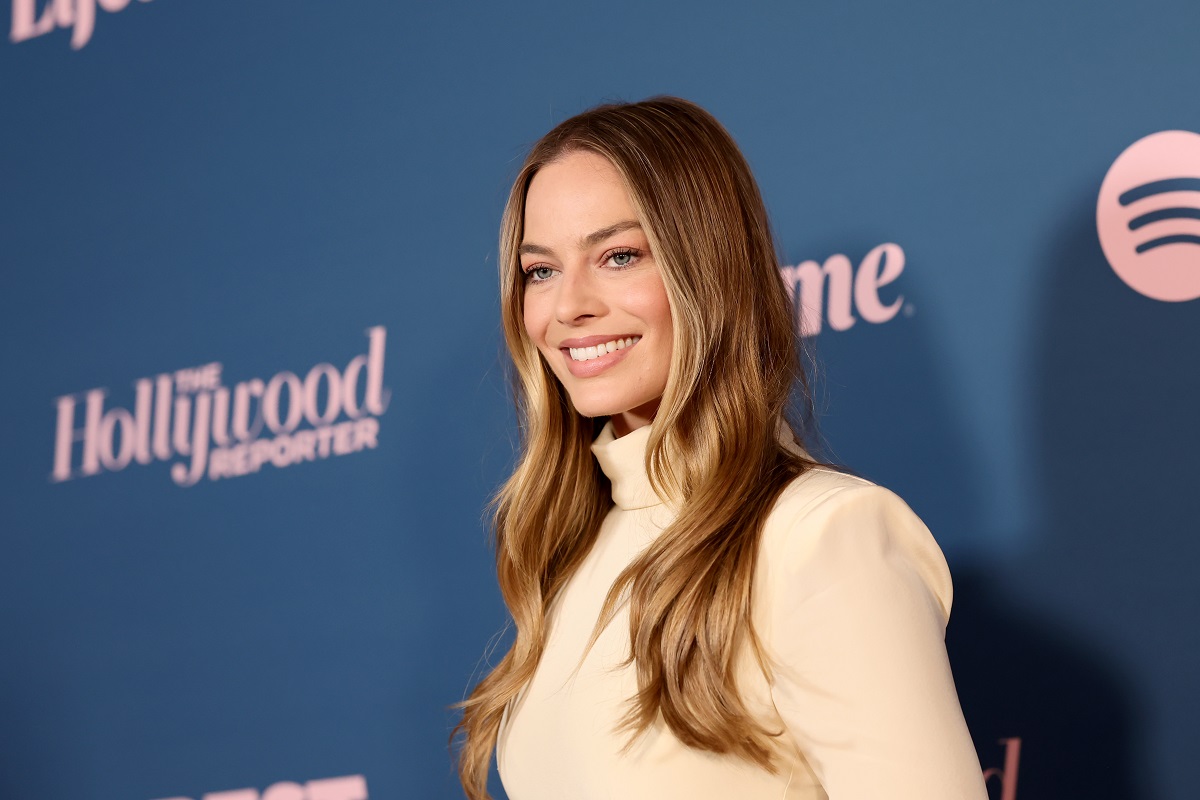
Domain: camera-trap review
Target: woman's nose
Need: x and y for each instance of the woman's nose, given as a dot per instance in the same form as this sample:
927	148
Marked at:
578	298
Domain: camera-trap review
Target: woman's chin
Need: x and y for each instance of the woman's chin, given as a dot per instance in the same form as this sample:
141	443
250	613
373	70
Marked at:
628	417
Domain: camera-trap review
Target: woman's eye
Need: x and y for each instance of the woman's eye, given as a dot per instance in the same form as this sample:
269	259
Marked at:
540	273
623	258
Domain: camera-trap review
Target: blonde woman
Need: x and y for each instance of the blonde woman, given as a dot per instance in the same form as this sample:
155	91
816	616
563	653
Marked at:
701	610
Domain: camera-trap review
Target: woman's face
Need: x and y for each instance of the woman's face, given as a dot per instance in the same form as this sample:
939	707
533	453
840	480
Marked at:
595	304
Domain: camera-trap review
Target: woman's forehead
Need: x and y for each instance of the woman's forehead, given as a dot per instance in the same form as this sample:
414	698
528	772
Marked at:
573	197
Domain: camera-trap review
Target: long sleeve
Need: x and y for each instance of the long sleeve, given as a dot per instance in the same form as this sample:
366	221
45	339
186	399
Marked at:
854	608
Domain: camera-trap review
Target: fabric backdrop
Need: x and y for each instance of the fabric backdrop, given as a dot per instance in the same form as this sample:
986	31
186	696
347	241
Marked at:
255	400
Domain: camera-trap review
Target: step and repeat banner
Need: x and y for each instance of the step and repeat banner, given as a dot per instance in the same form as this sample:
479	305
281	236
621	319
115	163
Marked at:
255	401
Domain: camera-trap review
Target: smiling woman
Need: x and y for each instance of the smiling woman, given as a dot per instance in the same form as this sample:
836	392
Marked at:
595	304
701	609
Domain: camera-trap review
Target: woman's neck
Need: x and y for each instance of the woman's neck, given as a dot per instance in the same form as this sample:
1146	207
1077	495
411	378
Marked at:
628	421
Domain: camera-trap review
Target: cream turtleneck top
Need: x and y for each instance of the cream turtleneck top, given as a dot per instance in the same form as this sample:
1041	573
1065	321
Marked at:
852	595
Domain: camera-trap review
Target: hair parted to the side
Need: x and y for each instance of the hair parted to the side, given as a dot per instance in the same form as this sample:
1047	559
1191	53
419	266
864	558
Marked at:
714	450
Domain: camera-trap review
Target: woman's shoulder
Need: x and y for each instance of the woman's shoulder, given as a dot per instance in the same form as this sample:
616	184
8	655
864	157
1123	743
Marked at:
827	524
821	490
816	484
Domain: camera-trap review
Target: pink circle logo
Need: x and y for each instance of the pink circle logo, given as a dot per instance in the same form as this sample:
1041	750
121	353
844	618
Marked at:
1148	216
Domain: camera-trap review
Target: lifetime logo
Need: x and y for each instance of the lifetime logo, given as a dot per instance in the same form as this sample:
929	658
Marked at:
833	290
78	15
1148	216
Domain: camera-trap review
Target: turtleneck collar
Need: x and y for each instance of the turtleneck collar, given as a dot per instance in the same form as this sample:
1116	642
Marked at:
623	460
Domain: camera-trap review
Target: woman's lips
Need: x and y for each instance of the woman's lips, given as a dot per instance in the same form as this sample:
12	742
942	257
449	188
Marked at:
587	353
594	355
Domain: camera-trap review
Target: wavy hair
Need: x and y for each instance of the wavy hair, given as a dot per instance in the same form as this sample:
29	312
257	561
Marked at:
715	448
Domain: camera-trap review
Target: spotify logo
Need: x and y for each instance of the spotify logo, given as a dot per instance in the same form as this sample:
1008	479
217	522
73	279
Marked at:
1148	216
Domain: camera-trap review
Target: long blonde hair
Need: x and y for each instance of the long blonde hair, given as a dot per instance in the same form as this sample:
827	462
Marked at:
714	450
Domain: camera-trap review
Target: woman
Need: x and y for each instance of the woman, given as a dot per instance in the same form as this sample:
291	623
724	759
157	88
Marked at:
701	610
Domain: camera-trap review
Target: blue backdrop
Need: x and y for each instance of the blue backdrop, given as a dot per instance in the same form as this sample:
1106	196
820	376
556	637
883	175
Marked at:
254	394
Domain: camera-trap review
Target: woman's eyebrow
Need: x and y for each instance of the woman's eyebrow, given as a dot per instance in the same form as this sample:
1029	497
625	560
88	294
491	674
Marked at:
527	248
596	237
593	238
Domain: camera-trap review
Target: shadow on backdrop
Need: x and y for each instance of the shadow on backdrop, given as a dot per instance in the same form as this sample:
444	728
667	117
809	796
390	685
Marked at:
1116	401
1058	672
1020	673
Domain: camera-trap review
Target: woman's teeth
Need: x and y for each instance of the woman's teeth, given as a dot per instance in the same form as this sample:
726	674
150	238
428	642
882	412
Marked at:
588	353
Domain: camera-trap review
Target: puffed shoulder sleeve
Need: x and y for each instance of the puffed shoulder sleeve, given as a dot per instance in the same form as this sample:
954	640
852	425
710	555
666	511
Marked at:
853	613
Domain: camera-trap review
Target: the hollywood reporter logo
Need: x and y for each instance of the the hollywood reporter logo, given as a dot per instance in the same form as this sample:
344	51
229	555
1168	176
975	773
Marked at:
1148	216
349	787
218	430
